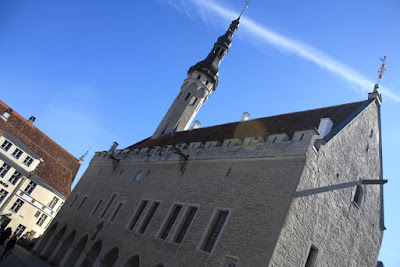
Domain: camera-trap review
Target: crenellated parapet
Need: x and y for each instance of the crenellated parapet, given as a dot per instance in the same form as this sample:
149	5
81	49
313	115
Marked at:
251	147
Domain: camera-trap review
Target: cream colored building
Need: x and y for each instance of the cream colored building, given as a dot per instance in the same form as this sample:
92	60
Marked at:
29	199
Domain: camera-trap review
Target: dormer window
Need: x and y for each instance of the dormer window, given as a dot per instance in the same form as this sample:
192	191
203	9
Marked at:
17	153
28	161
6	145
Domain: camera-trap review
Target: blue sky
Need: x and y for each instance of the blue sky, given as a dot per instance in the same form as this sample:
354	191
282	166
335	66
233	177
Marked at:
94	72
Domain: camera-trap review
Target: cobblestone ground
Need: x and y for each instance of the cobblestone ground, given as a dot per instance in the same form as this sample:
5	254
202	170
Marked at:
21	257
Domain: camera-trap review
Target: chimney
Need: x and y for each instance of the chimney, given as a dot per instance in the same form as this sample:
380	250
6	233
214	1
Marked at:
196	125
113	146
325	127
245	116
6	114
32	119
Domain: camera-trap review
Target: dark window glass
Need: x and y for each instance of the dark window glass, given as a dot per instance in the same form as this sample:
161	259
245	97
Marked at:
171	221
30	187
28	161
97	207
14	178
6	145
185	226
80	205
3	195
215	231
149	217
116	212
17	153
138	214
187	96
4	169
108	205
312	257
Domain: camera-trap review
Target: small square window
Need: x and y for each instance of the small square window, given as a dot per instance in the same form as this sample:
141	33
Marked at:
28	161
37	214
17	153
6	145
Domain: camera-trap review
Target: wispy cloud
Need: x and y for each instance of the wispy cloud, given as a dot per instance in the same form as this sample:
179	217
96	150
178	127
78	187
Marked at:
289	45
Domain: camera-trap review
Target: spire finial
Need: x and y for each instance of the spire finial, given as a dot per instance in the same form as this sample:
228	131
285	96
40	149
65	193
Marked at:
247	4
84	155
382	69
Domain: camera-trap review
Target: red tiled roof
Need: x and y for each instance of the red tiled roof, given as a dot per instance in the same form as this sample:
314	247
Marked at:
285	123
59	167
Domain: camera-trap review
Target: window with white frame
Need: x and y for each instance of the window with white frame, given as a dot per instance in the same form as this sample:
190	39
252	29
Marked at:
6	145
3	195
53	202
30	187
37	214
17	153
28	161
17	205
4	169
20	229
15	177
42	219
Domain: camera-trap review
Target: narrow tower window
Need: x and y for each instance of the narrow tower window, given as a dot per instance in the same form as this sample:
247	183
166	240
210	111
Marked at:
170	222
139	213
215	231
149	217
97	207
312	257
193	101
198	77
358	195
116	212
187	96
185	226
108	205
80	205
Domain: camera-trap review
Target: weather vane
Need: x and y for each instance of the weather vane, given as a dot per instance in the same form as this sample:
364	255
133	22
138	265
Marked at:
382	69
247	4
84	155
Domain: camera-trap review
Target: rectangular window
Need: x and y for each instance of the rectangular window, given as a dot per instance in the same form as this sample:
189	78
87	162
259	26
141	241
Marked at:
4	169
80	205
14	178
116	212
312	257
73	201
30	187
60	206
3	195
28	161
42	219
6	145
170	222
138	214
17	205
37	214
215	231
53	202
17	153
186	224
97	207
108	206
148	218
20	229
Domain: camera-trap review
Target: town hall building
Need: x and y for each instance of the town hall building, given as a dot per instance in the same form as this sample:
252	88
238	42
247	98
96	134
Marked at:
297	189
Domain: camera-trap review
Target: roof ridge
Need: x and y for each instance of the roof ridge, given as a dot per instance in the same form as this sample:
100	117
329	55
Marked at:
35	128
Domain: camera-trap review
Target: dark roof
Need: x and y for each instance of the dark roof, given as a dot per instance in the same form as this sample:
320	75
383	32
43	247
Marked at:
59	167
285	123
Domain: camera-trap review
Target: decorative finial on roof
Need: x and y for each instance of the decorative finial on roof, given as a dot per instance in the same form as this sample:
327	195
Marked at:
245	7
84	155
382	69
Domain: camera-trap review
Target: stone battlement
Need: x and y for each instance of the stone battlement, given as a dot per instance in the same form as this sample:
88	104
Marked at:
250	147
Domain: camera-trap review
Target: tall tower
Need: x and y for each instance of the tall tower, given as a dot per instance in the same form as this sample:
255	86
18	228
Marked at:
201	80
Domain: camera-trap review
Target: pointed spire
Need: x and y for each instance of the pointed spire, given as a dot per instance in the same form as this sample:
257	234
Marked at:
81	159
210	65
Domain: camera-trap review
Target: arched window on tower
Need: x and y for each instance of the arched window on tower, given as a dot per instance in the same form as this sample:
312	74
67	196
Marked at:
193	101
187	96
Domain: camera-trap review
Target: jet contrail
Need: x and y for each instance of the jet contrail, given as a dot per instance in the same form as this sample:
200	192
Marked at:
281	42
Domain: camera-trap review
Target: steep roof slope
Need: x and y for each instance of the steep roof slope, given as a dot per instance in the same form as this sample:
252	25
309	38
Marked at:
59	167
285	123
